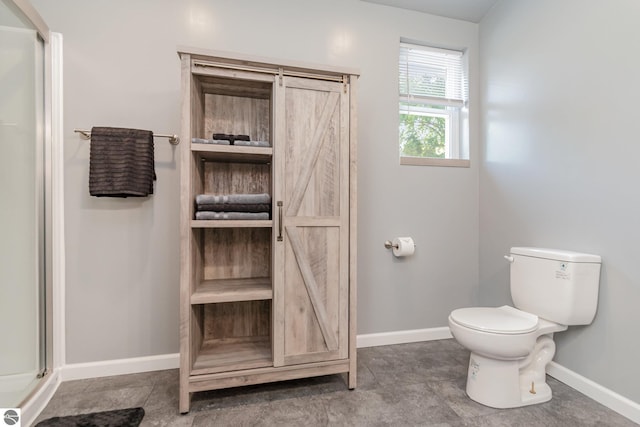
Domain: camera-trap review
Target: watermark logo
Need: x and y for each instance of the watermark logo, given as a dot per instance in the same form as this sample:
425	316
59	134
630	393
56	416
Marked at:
10	417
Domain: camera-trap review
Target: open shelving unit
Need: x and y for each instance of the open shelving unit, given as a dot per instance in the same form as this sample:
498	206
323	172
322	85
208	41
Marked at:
270	299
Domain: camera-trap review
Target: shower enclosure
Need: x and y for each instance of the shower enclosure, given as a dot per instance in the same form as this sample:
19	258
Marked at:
24	215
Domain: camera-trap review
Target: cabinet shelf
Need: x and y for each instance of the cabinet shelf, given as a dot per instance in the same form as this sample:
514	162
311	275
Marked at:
233	153
230	290
221	355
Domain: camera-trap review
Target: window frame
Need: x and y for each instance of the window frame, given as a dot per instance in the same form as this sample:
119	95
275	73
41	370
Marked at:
456	137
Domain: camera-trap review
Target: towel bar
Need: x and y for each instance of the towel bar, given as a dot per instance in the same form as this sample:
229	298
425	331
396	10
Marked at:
173	139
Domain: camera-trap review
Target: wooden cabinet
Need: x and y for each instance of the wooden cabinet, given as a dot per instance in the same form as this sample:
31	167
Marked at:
272	299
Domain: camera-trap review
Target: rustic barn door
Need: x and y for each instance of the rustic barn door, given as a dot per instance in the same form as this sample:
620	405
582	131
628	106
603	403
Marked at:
311	234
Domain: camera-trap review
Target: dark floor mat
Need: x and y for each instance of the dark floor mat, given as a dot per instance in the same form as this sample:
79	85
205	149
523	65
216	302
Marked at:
119	418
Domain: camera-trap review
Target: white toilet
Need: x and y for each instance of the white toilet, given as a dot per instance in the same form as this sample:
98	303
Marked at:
511	347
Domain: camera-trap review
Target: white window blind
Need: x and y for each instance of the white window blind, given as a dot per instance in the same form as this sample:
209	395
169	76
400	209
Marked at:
431	76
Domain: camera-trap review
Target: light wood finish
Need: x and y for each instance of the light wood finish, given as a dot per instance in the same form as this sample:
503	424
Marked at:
224	82
311	156
313	291
265	375
230	290
233	153
205	68
236	253
353	238
255	308
185	235
233	355
236	319
230	178
237	115
312	286
278	271
264	62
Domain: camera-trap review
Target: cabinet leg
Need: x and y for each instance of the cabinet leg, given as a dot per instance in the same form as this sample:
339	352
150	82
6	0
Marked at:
352	380
185	401
353	367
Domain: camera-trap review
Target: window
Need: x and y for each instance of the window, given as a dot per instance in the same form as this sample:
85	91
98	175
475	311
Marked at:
433	106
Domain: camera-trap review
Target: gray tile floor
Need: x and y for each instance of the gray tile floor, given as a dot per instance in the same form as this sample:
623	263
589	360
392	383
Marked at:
419	384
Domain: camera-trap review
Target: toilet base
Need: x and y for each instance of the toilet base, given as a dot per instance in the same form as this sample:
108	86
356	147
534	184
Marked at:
505	383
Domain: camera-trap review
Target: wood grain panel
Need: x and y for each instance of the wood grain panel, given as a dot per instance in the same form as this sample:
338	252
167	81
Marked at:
309	137
233	153
237	320
236	178
237	116
232	355
315	190
185	327
353	228
236	253
311	282
311	290
230	290
264	375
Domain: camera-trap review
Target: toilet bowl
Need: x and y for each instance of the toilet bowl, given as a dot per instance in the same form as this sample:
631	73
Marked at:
509	353
511	346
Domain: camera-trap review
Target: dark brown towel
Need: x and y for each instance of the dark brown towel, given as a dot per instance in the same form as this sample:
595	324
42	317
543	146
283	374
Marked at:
230	138
121	162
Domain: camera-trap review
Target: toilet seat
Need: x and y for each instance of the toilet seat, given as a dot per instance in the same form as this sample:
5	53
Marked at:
498	320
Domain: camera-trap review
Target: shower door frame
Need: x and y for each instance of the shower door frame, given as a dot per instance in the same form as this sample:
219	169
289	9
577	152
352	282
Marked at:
51	230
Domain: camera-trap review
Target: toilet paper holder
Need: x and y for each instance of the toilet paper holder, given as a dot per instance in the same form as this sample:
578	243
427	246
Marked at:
390	245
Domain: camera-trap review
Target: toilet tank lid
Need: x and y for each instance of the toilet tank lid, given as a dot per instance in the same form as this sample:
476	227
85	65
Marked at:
555	254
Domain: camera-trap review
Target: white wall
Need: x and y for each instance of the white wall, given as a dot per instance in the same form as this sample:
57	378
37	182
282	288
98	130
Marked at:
121	69
559	162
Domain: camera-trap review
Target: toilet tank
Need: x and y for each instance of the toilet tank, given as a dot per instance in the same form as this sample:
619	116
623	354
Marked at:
557	285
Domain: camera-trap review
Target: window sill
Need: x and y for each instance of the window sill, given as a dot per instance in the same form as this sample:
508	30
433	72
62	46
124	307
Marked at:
430	161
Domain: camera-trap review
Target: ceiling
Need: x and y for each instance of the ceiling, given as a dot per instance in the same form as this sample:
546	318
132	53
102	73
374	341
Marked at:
465	10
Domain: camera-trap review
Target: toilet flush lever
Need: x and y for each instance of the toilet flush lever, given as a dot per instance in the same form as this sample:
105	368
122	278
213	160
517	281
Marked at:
508	258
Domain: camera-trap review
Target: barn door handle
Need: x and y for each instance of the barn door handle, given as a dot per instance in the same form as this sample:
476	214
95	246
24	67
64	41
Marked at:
279	220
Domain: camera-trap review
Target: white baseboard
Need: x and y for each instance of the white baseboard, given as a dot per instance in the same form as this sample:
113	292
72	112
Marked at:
108	368
40	399
402	337
600	394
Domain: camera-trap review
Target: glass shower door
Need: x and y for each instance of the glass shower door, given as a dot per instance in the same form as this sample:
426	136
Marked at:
22	305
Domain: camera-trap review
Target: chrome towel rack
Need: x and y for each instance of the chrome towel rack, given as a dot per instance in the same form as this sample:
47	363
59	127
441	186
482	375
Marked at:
173	139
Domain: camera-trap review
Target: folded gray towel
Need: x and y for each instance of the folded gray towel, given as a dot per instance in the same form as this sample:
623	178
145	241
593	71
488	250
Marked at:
204	199
234	207
121	162
232	215
253	143
210	141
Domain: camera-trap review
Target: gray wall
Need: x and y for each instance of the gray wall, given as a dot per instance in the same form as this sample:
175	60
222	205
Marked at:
121	69
559	162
